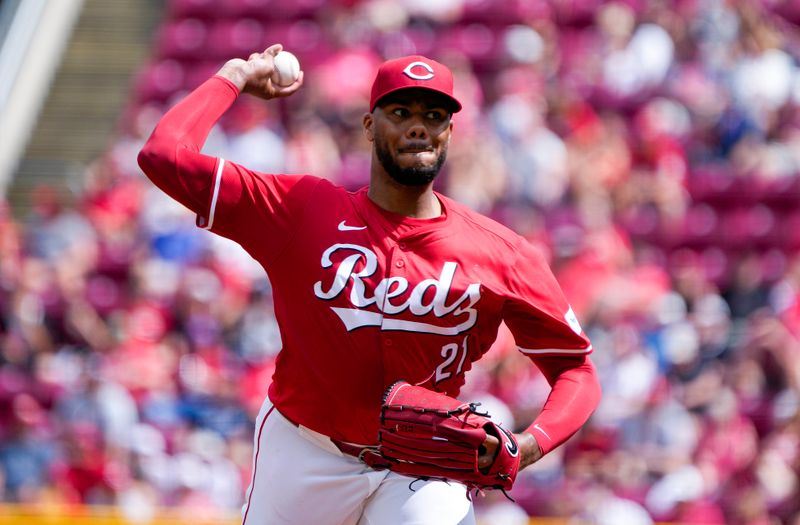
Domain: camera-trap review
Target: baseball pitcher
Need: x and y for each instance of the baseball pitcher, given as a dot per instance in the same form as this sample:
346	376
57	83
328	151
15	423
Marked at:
385	297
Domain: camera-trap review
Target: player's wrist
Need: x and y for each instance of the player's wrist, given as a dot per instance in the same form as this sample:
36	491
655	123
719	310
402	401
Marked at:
529	449
234	70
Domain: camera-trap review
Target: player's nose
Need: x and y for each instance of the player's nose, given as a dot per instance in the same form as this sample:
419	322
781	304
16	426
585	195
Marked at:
416	129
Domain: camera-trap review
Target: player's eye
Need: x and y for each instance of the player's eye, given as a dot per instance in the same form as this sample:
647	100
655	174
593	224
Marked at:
436	116
400	112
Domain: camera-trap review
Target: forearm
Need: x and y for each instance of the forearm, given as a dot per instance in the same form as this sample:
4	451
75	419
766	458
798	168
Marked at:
171	157
189	122
574	396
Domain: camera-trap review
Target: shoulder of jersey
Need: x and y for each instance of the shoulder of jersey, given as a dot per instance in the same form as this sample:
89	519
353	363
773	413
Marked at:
482	222
327	185
324	188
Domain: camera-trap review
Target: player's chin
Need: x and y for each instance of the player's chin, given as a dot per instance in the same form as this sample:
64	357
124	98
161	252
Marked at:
414	177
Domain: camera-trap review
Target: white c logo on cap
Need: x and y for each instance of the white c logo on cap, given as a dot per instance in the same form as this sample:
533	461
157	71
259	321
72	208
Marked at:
409	71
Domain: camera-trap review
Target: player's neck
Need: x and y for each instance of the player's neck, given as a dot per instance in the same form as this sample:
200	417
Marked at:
411	201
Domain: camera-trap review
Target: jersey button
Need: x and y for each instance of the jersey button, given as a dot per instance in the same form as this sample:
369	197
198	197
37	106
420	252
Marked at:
403	246
388	342
400	263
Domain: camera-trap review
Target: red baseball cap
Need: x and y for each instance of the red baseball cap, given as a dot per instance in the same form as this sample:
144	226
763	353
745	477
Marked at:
414	71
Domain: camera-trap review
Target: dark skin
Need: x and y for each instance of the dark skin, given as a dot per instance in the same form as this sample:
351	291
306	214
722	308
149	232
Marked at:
413	127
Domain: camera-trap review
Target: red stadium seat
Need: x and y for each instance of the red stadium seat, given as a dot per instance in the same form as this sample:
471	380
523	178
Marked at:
408	41
748	227
718	186
790	231
733	229
744	191
500	12
782	192
236	38
183	39
305	38
643	223
259	9
700	225
576	12
160	81
195	8
199	72
482	44
296	9
738	228
762	226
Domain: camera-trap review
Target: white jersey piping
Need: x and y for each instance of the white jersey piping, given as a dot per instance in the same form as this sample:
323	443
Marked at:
217	181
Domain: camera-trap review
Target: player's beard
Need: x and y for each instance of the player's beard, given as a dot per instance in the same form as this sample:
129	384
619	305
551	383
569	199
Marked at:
412	176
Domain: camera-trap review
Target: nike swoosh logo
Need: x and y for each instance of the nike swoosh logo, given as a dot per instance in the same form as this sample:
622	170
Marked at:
511	444
540	429
345	228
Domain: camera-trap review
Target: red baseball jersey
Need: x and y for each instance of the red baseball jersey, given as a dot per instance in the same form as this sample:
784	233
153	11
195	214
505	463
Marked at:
365	297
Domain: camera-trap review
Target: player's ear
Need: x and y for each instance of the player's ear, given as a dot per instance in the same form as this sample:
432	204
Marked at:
368	122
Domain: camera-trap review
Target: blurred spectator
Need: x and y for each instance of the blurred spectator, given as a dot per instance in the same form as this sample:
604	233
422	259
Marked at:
26	451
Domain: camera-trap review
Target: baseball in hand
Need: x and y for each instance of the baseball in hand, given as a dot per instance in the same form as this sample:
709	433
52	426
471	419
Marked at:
287	69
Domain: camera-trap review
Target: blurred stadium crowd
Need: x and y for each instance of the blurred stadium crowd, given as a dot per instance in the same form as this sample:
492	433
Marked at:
652	148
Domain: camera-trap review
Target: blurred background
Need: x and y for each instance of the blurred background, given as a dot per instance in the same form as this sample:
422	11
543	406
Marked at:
652	148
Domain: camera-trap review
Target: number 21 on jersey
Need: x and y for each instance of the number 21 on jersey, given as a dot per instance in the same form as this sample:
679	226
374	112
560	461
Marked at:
451	353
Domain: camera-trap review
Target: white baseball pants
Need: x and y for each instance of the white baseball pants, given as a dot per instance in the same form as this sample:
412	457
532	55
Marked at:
300	478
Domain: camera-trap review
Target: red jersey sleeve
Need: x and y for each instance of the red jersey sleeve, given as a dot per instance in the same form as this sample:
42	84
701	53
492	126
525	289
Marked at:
574	396
546	329
171	157
536	311
256	210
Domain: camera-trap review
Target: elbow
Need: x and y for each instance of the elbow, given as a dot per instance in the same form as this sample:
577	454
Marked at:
593	385
155	157
146	158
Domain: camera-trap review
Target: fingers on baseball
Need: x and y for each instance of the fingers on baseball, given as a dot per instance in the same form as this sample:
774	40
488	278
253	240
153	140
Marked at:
274	49
285	91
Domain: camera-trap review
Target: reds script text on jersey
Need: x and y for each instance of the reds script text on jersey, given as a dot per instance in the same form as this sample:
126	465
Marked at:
365	297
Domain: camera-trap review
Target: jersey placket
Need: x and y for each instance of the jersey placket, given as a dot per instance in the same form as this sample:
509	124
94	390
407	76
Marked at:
396	264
